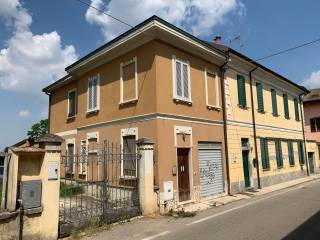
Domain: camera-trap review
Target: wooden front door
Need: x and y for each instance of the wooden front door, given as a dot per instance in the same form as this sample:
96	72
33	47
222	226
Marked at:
183	174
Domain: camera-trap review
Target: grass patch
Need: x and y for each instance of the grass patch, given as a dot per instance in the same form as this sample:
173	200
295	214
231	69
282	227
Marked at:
69	190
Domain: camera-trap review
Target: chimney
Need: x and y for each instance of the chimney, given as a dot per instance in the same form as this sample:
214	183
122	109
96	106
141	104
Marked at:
217	39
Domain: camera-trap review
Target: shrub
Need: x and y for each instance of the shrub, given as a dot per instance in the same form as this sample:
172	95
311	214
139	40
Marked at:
69	190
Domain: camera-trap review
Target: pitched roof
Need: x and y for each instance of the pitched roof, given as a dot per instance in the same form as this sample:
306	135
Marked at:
227	50
49	138
313	96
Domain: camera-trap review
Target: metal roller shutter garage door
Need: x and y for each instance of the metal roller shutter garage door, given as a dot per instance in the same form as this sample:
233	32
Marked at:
211	168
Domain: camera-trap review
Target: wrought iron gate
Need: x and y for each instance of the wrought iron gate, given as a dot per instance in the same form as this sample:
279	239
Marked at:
99	183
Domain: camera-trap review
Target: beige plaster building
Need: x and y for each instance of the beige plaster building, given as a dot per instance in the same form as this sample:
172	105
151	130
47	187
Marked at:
154	81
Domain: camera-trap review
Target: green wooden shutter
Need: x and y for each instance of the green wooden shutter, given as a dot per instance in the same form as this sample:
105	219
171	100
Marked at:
264	153
286	106
279	153
242	99
274	102
296	109
260	97
290	153
300	152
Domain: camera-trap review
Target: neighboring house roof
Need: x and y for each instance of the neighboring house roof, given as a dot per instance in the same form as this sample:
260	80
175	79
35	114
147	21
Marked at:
313	96
27	150
228	50
49	138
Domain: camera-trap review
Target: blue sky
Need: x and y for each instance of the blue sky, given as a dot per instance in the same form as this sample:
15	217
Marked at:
38	39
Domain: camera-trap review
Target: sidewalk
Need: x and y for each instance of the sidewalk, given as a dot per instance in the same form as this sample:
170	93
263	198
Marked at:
214	202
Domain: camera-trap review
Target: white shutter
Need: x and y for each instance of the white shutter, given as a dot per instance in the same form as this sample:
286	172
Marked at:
95	93
178	79
185	77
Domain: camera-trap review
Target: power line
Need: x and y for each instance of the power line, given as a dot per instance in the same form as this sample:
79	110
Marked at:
288	50
259	59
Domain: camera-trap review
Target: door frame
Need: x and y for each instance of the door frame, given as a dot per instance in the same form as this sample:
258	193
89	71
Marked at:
190	173
248	149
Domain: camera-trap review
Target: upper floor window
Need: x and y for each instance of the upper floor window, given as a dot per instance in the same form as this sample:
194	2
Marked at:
274	102
260	97
286	106
242	98
212	89
296	109
72	103
181	78
93	93
128	81
315	124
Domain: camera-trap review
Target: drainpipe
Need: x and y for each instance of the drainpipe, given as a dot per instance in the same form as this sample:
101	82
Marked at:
49	111
254	128
223	69
303	133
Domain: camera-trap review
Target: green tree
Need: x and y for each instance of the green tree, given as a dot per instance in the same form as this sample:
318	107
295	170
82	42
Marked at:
38	129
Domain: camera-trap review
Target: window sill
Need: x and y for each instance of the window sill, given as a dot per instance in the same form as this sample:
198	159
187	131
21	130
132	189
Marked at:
184	101
128	177
89	112
71	118
131	101
266	169
216	108
275	115
243	107
261	111
292	166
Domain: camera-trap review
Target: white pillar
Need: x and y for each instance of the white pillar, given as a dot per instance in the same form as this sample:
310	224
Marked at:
147	196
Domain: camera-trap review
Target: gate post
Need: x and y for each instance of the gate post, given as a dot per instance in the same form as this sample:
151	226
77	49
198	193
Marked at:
147	197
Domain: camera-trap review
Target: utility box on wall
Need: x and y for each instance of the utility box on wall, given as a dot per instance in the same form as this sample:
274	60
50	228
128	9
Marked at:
31	193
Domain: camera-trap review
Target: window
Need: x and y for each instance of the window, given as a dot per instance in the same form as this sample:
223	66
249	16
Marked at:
260	97
296	109
291	153
128	81
264	153
301	153
129	150
212	89
93	142
72	103
315	124
93	93
242	99
286	106
274	102
181	76
279	153
70	156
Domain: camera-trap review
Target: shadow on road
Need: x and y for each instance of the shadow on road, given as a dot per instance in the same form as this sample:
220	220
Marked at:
309	230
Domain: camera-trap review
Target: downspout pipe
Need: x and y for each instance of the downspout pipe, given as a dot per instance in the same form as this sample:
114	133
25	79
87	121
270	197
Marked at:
223	69
49	111
303	133
254	128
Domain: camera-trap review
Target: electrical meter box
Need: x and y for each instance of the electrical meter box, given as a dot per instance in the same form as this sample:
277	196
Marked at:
30	193
52	170
168	190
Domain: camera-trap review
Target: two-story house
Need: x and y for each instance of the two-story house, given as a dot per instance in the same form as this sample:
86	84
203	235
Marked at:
154	81
265	138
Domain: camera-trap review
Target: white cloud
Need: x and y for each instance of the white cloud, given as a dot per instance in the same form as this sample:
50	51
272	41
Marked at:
196	16
24	113
313	81
30	62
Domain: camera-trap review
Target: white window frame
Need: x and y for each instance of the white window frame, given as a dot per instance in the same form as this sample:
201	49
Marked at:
122	65
71	141
128	132
76	102
210	106
174	80
98	94
93	135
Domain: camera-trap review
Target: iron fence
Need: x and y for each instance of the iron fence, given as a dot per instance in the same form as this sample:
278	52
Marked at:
99	183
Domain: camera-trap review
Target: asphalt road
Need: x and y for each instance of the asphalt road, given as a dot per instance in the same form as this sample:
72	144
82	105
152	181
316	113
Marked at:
288	214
